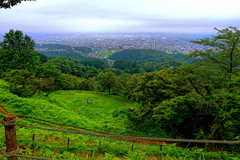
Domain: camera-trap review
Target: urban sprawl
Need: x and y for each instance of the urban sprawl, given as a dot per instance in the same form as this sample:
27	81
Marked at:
118	42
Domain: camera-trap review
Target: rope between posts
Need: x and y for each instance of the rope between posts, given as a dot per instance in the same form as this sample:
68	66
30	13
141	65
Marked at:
132	137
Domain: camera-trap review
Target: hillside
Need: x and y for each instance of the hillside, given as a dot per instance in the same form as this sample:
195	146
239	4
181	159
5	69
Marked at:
70	110
145	55
59	50
60	47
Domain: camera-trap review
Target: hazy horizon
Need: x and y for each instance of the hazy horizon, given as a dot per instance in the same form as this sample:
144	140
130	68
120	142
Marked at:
120	16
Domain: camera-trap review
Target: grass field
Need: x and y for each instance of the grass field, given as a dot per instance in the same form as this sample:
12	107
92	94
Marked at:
106	53
97	113
72	109
63	109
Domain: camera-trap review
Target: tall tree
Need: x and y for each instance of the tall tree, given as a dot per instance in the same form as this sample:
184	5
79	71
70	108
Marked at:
211	107
106	80
17	52
224	53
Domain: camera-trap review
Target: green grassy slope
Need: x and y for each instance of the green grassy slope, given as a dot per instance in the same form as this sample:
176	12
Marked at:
68	108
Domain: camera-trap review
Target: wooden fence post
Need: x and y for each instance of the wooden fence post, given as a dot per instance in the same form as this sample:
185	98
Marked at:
33	141
68	143
99	146
132	147
10	132
160	147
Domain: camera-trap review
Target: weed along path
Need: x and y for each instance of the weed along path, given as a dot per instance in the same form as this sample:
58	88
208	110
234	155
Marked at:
4	111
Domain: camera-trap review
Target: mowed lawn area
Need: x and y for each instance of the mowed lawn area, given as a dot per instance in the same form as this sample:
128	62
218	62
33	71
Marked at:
97	110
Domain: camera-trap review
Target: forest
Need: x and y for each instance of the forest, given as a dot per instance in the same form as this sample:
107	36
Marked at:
193	98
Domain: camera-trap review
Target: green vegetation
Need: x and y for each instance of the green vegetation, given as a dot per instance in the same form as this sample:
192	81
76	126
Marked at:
199	100
48	144
17	52
69	108
139	60
59	50
59	47
97	63
65	54
143	55
107	53
52	144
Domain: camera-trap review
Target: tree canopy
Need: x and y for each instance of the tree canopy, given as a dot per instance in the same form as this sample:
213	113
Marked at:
198	100
17	52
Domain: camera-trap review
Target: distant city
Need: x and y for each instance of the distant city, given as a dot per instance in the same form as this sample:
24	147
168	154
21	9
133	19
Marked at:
168	42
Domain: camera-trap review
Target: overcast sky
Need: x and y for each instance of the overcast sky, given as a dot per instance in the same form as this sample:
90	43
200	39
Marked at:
187	16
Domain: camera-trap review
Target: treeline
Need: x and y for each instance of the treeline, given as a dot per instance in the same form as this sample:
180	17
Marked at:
130	60
59	50
29	72
199	100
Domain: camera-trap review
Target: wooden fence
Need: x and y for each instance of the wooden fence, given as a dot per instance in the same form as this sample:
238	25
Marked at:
12	149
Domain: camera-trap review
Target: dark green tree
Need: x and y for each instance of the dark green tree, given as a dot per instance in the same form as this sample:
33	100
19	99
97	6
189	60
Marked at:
22	82
17	52
210	102
224	54
106	81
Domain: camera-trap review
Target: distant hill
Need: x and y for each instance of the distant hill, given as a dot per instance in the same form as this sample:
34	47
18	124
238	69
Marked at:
60	47
146	55
65	54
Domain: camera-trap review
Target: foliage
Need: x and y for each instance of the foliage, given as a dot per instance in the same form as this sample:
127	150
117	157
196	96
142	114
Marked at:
143	55
97	63
152	88
70	108
128	66
48	144
65	54
59	47
54	47
83	49
22	82
43	57
17	52
106	81
67	108
225	51
68	66
198	100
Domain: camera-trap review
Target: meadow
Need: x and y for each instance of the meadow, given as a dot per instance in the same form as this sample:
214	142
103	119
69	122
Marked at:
72	110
